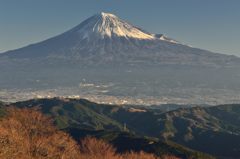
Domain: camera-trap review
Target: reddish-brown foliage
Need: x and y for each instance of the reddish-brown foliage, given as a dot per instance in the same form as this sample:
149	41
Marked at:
95	148
27	133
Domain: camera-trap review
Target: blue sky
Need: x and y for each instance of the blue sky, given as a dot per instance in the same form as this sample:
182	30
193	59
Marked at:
209	24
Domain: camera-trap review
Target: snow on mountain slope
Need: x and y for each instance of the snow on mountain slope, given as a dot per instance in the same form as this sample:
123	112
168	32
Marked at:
108	25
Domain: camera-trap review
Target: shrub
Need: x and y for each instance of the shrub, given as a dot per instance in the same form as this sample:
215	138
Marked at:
94	148
27	133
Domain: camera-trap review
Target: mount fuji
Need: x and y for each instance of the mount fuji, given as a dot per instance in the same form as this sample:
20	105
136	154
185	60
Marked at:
104	39
105	55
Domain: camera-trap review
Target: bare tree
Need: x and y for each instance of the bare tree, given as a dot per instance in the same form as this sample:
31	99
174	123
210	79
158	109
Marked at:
27	133
96	148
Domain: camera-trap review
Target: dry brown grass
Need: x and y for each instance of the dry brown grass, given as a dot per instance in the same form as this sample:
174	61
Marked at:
28	134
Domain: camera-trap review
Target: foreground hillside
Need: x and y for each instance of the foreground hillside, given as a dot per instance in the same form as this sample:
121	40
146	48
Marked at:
27	133
81	118
214	130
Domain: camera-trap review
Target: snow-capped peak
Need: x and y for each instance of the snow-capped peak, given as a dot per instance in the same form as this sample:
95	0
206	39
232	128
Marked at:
107	25
103	14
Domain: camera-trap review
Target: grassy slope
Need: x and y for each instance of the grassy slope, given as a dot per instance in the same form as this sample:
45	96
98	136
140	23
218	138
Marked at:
70	113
